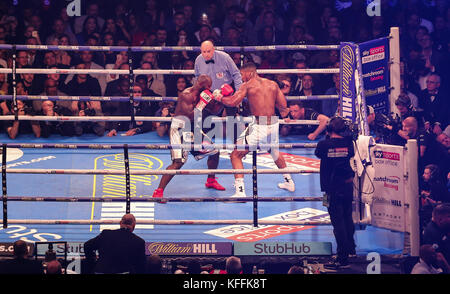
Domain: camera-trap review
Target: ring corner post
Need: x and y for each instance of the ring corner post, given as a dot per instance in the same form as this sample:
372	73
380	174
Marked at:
412	196
394	59
255	188
4	188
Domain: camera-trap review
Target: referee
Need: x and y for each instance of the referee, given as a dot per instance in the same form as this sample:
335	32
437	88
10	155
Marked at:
219	66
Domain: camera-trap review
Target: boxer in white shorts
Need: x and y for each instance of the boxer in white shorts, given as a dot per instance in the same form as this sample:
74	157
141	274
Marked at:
264	96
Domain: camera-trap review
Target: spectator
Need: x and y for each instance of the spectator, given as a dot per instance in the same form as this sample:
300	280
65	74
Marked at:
153	16
80	85
433	192
296	270
244	27
55	127
50	89
92	11
89	108
90	27
444	140
330	106
154	82
410	130
142	82
433	101
436	232
140	108
405	109
120	251
86	57
298	112
233	265
154	264
309	89
53	268
21	264
297	80
167	109
116	28
430	262
17	127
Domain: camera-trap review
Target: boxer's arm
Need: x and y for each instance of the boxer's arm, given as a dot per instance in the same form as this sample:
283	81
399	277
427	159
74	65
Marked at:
236	99
281	103
323	120
185	105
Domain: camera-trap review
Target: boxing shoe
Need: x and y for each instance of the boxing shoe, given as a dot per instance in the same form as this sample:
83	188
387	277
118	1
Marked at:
202	154
158	193
288	184
211	183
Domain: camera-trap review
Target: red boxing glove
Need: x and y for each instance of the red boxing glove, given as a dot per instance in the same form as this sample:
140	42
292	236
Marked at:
226	90
205	98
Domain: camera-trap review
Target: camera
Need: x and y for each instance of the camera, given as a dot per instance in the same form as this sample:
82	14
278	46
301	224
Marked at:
87	111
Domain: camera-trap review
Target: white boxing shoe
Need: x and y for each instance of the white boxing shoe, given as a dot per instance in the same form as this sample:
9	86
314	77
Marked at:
287	185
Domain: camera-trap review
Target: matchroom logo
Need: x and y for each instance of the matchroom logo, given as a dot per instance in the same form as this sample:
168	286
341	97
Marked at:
391	182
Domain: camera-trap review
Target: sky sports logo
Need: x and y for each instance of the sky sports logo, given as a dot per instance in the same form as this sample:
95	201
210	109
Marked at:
387	155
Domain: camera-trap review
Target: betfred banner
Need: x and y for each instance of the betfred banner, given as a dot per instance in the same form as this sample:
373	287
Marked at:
388	201
375	72
347	93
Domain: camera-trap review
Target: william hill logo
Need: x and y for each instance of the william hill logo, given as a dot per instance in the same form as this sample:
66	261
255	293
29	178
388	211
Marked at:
391	182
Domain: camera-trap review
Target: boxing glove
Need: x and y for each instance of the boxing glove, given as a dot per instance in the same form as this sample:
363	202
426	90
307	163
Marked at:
226	90
205	97
217	94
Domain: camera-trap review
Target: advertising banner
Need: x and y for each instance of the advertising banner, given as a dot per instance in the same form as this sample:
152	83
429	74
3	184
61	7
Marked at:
282	248
375	72
188	248
388	206
347	93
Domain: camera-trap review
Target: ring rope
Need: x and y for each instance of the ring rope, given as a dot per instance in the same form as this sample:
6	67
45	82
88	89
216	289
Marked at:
128	118
158	146
168	222
165	199
168	48
158	172
156	71
142	98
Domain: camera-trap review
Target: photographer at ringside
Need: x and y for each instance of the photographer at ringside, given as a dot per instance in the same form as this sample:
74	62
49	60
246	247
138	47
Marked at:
336	180
384	128
55	127
89	108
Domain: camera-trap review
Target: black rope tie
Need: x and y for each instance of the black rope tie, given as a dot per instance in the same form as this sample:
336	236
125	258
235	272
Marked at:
4	190
127	178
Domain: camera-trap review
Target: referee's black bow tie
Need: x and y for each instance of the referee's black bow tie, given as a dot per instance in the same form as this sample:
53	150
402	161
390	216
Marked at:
209	61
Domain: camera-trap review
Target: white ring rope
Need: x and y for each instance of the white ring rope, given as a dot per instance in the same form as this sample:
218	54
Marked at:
156	71
167	222
158	172
128	118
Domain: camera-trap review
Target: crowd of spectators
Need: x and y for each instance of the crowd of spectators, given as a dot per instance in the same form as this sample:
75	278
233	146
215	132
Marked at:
425	46
424	103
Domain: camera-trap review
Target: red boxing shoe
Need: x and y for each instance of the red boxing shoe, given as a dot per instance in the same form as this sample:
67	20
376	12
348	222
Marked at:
212	183
158	193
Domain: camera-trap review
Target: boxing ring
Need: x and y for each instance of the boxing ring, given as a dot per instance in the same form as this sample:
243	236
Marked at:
69	189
